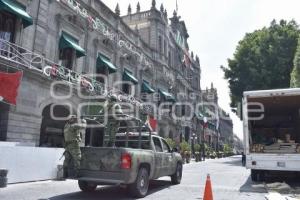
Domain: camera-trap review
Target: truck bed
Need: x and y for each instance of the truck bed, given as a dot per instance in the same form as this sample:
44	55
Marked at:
272	143
278	162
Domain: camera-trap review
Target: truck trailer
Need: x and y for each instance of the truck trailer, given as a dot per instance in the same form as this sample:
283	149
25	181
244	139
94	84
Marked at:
271	120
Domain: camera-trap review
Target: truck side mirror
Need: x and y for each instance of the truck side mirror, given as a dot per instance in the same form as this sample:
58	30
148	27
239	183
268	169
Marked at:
175	150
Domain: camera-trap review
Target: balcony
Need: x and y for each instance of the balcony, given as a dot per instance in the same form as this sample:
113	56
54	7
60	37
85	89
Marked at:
21	58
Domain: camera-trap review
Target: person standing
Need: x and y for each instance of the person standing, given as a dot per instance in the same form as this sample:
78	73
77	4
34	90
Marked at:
73	132
243	159
112	109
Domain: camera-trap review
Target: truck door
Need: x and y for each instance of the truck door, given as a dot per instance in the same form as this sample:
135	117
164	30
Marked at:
169	164
158	156
245	125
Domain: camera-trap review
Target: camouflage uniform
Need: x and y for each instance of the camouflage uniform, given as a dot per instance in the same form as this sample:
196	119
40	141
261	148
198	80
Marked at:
73	133
143	115
112	108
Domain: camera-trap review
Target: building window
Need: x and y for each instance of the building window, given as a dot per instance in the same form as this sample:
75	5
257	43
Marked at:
130	80
7	26
169	59
67	57
183	110
69	50
4	110
7	31
165	48
126	88
101	68
160	44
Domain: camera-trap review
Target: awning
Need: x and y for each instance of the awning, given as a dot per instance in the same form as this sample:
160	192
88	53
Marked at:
146	88
103	63
127	76
67	41
17	9
168	96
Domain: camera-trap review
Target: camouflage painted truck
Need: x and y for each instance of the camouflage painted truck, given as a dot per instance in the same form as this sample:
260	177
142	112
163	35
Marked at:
137	157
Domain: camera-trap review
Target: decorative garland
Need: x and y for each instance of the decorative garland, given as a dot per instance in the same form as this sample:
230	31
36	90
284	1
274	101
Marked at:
99	26
91	85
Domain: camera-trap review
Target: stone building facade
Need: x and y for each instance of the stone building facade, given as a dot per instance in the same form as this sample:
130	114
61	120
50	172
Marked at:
220	126
64	40
226	129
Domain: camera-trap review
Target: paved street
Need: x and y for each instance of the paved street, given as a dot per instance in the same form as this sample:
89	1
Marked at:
229	181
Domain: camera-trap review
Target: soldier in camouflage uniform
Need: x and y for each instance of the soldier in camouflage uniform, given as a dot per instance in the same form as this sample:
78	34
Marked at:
73	132
143	115
112	108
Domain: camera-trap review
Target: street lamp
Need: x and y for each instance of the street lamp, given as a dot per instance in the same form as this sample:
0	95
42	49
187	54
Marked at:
193	142
203	143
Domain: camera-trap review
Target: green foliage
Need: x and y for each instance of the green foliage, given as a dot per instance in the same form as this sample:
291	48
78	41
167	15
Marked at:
197	147
227	149
262	60
171	143
184	146
295	75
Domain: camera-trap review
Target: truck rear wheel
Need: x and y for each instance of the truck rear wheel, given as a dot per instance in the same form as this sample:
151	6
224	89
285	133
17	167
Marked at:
140	187
257	175
176	177
87	186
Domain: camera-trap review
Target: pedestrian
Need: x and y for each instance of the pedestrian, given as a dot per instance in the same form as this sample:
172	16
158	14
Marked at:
112	109
243	159
73	131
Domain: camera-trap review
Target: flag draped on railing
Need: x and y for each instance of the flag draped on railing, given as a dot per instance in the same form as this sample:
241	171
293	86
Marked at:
9	84
152	123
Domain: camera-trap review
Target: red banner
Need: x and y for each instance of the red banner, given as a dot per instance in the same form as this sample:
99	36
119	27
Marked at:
9	84
152	123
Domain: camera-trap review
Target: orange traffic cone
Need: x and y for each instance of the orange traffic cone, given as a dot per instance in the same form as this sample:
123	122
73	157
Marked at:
208	190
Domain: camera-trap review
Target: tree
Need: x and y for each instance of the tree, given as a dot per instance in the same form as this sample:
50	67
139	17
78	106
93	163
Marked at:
262	60
295	75
227	149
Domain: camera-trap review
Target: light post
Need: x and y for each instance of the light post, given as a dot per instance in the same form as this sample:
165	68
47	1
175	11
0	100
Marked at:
194	137
203	138
217	149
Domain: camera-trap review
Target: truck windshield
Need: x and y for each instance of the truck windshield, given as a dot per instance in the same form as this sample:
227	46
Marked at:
127	135
133	142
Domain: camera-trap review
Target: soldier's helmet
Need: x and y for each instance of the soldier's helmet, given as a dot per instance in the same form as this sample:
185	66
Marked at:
113	98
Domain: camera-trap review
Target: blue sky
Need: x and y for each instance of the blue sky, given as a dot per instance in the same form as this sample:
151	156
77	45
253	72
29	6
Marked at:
215	28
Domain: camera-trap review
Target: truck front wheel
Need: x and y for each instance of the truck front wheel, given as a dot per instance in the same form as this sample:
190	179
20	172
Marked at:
140	187
176	177
87	186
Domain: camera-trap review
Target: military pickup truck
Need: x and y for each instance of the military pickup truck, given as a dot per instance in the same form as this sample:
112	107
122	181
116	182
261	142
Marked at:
137	157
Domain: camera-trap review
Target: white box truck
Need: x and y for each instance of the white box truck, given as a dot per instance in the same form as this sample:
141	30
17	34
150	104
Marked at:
271	131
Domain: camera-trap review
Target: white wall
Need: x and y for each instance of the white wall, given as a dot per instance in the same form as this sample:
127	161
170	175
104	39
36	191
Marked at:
29	163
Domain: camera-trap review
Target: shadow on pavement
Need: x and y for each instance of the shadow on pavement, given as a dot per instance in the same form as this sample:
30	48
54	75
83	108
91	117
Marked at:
235	161
251	187
261	187
111	192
